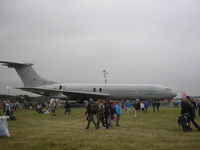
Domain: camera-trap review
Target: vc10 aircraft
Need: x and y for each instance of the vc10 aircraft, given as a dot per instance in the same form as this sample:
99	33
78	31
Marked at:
75	91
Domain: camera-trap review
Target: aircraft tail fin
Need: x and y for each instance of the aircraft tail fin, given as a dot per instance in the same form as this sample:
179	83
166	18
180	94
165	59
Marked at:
29	77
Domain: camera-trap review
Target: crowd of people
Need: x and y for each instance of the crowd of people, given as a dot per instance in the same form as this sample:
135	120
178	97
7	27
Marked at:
103	112
9	107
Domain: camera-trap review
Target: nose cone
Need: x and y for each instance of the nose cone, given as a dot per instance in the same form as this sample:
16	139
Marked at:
173	94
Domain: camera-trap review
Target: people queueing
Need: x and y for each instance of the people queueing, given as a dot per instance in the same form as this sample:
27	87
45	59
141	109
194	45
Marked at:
137	107
67	107
128	106
118	111
91	111
146	105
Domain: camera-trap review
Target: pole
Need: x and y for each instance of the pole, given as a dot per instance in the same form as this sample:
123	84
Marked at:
105	73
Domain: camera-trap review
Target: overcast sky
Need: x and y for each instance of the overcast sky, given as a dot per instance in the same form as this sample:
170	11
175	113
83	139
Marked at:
136	41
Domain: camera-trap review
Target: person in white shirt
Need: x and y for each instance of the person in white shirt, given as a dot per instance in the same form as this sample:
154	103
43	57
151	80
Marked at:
142	106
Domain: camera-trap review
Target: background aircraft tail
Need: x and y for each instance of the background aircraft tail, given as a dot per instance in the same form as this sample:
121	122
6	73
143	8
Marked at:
29	77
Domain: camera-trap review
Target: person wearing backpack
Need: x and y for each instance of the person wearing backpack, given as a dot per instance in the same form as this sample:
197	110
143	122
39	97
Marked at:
183	120
192	110
91	111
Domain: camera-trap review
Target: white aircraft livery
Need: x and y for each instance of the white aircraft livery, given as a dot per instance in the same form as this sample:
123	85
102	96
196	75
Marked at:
75	91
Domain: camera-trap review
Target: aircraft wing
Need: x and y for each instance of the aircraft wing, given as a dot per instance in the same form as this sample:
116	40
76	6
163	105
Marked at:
68	94
85	95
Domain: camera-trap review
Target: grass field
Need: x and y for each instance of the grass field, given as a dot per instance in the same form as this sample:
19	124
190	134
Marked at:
150	131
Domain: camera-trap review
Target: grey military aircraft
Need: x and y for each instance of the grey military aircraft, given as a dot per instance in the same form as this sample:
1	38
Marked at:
39	85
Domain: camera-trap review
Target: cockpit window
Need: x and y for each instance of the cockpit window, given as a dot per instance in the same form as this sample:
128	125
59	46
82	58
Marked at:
167	89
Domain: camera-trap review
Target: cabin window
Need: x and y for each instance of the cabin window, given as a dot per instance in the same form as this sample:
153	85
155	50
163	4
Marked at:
60	87
94	89
100	89
167	89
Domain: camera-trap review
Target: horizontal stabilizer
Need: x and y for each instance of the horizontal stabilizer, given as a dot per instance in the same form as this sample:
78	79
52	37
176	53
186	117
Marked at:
14	65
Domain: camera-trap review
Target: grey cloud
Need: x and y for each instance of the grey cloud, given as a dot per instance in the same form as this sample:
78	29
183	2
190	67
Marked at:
137	41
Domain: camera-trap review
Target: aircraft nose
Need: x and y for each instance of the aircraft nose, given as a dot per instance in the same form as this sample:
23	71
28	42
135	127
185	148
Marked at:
173	94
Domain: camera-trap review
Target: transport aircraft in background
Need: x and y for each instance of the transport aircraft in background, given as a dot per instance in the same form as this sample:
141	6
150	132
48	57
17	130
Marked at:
80	91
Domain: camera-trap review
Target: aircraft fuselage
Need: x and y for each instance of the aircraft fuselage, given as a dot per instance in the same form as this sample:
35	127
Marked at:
117	91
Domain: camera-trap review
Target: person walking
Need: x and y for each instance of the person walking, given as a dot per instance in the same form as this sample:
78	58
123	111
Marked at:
118	111
137	107
158	106
67	107
146	105
101	113
142	106
91	111
192	110
53	107
107	114
128	106
154	105
198	107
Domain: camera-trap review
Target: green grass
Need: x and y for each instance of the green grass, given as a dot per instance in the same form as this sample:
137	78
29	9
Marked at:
151	131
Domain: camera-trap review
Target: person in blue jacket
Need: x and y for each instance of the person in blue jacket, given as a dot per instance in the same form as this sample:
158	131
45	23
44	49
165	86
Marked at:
118	111
128	106
146	105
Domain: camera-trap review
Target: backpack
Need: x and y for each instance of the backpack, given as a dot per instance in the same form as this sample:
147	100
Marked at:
112	109
92	108
102	108
183	120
